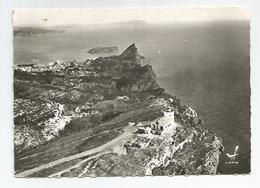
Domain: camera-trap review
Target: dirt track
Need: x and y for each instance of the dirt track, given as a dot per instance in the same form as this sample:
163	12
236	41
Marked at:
108	145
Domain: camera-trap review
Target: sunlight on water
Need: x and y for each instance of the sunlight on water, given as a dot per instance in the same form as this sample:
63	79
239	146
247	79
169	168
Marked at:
206	66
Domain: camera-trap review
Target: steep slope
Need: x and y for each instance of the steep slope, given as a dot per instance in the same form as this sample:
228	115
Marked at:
105	117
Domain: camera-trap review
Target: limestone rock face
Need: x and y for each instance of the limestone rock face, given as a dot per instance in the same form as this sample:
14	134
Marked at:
131	53
95	119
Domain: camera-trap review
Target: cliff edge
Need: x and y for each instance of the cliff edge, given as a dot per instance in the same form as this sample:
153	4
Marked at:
105	117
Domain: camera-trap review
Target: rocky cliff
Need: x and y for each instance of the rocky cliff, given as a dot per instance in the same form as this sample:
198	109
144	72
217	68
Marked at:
100	118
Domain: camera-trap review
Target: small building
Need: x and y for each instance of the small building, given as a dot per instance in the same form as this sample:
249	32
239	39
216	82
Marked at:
164	123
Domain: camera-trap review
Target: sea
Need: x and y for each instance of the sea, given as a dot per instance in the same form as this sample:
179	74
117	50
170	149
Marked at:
205	64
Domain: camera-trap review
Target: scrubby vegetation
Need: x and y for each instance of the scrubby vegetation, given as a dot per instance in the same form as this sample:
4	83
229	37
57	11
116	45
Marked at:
65	108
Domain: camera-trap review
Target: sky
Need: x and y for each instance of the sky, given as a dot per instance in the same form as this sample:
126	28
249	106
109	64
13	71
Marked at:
56	17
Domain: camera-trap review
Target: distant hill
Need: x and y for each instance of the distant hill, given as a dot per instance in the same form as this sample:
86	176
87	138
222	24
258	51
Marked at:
31	31
130	23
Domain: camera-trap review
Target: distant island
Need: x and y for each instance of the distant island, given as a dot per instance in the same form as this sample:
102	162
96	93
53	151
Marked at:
103	50
34	31
130	22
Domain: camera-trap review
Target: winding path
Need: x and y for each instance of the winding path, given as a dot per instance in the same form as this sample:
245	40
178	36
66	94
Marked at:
108	145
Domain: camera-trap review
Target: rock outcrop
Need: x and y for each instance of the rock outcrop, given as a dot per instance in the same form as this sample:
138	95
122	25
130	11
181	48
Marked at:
108	108
131	53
